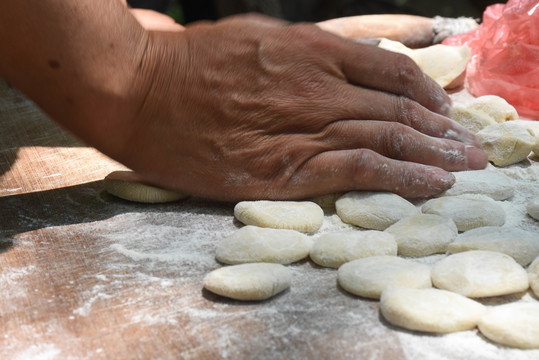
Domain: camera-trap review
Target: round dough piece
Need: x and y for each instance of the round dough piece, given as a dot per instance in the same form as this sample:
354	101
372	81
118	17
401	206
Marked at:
479	273
248	281
521	245
533	276
533	208
468	212
128	185
506	143
473	120
496	107
254	244
430	310
368	277
373	210
493	184
423	235
514	325
304	216
334	249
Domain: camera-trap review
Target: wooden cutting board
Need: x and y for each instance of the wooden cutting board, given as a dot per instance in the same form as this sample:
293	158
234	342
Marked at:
85	275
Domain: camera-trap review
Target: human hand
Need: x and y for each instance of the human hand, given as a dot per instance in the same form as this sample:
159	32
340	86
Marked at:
251	108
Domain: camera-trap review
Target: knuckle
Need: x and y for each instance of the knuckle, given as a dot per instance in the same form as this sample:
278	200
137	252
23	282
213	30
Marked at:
362	163
407	111
407	71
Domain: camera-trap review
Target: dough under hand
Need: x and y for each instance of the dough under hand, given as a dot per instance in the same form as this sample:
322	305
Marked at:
493	184
533	276
334	249
515	325
254	244
423	235
533	208
479	273
521	245
373	210
430	310
507	143
128	185
304	216
248	281
368	277
468	212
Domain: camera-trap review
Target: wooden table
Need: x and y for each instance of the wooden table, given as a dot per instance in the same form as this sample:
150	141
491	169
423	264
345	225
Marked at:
86	275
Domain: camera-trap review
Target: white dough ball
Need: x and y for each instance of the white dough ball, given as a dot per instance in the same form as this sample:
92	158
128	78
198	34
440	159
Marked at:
423	235
373	210
466	211
533	208
430	310
334	249
368	277
515	325
521	245
304	216
254	244
493	184
533	276
479	273
506	143
248	281
496	107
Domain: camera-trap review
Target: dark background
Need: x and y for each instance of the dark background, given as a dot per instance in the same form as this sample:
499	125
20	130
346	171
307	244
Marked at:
185	11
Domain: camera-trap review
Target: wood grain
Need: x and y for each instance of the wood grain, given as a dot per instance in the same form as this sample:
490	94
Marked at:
86	275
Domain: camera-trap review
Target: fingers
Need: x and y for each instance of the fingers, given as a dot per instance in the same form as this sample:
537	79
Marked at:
401	142
376	105
378	69
363	169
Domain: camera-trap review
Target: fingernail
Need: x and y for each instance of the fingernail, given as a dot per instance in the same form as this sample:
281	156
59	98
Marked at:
477	158
442	180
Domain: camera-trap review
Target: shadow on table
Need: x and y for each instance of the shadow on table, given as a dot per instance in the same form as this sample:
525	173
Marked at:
81	204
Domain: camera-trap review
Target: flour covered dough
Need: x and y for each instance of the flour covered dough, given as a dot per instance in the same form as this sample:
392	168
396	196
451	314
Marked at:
473	120
514	325
430	310
423	235
334	249
494	106
507	143
532	208
304	216
493	184
128	185
373	210
467	211
533	276
254	244
248	281
521	245
479	273
368	277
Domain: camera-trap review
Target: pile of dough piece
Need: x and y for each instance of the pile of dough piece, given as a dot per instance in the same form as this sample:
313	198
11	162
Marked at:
504	138
445	298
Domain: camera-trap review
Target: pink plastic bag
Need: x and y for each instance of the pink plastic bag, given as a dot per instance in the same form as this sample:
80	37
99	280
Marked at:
505	55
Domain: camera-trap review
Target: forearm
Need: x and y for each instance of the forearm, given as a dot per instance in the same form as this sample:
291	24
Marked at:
78	60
